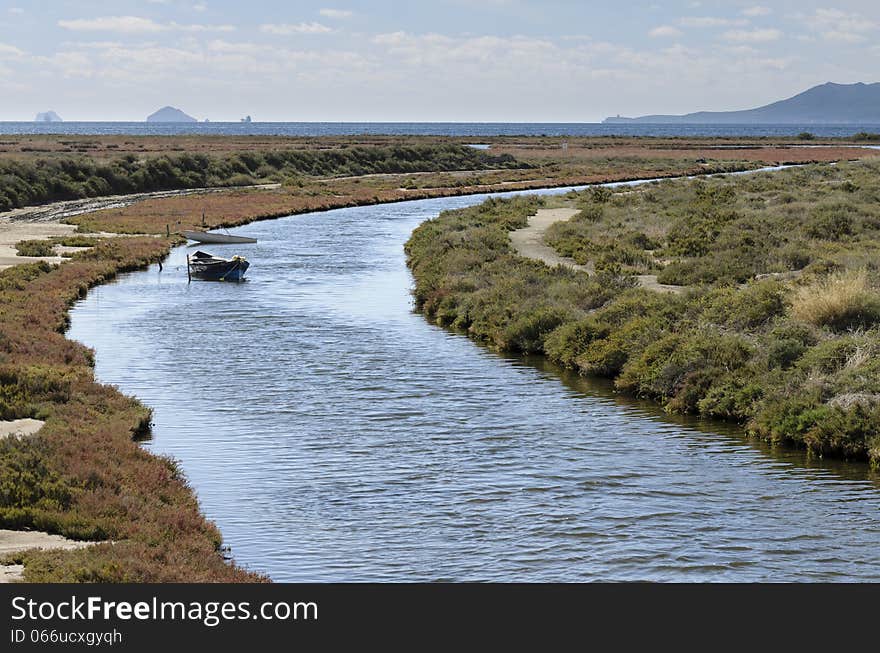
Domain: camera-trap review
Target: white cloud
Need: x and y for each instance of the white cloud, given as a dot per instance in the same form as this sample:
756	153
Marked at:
135	25
201	28
7	50
844	37
16	10
756	11
753	36
823	19
665	31
839	26
336	13
201	6
126	24
711	21
285	29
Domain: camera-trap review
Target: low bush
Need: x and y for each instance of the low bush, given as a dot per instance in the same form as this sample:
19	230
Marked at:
35	248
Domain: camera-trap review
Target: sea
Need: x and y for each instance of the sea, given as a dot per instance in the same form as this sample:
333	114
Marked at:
460	129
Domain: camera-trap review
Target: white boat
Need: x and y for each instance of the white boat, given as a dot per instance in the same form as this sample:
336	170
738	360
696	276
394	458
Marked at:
216	239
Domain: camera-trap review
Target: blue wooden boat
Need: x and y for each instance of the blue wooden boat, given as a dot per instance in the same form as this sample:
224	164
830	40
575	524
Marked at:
202	265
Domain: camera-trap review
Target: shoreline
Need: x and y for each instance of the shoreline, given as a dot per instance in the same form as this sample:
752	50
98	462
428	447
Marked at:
115	255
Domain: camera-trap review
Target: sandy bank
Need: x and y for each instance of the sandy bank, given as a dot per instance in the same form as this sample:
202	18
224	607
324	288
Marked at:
14	232
20	427
18	541
529	242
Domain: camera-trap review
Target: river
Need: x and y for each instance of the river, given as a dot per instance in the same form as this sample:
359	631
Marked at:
335	435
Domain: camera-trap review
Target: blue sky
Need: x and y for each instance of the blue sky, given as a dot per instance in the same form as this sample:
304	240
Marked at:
444	60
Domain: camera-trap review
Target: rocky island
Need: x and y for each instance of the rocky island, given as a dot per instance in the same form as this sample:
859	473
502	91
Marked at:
170	114
48	116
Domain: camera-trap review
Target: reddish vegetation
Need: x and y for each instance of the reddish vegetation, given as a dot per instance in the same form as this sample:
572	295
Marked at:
84	475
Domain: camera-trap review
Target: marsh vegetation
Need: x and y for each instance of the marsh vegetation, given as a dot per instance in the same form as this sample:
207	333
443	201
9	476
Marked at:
29	182
779	328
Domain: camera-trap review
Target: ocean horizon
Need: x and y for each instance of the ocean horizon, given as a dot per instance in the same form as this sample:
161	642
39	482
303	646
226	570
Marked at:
455	129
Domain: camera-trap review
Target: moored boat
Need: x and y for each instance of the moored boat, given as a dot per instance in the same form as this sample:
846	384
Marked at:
216	239
202	265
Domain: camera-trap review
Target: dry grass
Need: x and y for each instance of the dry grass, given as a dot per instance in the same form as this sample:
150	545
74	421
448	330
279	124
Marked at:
841	301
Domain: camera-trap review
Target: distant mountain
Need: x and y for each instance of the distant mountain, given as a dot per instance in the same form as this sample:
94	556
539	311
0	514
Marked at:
828	103
170	114
49	116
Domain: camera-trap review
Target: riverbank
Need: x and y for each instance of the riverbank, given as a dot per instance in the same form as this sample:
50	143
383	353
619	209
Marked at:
774	329
83	475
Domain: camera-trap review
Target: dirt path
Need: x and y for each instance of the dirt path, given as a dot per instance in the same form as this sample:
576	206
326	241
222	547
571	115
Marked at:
529	242
20	427
18	541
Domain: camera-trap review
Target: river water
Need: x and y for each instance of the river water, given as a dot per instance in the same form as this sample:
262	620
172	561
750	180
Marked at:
334	435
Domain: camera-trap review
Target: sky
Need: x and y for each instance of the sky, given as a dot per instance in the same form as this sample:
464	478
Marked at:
443	60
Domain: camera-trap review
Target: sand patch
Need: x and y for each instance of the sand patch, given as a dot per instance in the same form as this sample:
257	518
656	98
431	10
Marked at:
529	242
18	541
20	427
14	232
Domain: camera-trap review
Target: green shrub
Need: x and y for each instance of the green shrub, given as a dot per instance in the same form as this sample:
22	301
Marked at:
748	308
527	333
784	353
569	341
35	248
24	183
830	222
76	241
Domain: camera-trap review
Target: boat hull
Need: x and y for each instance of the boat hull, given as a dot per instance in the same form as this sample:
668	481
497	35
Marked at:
217	239
232	270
